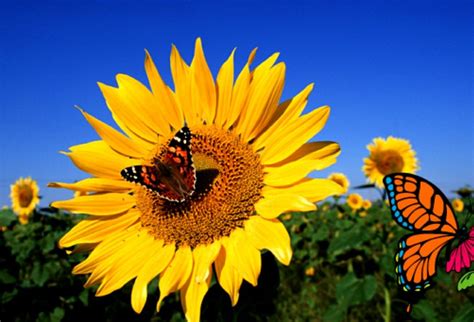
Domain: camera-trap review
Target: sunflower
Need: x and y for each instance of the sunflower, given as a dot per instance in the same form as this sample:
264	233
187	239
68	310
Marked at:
366	204
458	205
251	157
341	180
355	201
24	194
389	156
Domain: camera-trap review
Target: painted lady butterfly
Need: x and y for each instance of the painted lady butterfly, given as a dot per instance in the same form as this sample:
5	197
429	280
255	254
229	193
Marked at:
172	178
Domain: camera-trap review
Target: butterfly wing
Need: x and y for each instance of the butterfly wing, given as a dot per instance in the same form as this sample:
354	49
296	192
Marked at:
179	159
418	205
147	176
462	255
415	260
172	177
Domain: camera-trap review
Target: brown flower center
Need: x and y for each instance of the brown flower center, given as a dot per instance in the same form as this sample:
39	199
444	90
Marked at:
25	195
229	182
389	161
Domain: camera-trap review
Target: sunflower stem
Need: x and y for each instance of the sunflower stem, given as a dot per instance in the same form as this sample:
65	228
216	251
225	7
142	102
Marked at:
388	303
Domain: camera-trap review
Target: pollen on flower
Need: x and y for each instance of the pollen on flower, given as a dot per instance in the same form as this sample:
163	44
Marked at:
229	183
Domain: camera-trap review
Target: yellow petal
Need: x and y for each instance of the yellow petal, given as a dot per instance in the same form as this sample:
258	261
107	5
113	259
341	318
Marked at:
229	278
163	94
95	184
225	81
312	189
247	258
192	294
251	57
127	116
239	96
94	230
176	274
182	86
152	267
204	83
265	91
295	171
107	204
128	263
114	139
271	206
287	112
286	141
204	256
269	234
98	159
141	101
110	245
312	151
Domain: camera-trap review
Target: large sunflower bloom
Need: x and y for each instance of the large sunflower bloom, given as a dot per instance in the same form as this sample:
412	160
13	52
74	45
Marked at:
260	157
24	194
389	156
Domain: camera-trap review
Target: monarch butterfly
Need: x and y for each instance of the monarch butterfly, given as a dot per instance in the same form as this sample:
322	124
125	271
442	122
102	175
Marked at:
419	206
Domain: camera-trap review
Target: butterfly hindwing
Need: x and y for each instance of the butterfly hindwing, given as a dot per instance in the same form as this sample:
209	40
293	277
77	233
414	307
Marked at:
418	205
416	257
173	176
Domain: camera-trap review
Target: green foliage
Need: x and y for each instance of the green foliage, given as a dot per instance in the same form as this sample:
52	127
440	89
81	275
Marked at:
351	257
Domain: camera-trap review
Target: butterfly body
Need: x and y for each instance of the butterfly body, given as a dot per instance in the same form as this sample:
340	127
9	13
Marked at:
419	206
172	177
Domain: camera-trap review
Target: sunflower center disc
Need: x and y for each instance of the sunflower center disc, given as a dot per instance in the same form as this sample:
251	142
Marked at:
25	195
229	183
390	162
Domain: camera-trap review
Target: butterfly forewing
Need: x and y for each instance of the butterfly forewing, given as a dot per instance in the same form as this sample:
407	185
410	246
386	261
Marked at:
418	205
173	177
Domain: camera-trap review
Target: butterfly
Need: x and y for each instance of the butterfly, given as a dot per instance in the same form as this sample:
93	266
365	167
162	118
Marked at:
419	206
173	177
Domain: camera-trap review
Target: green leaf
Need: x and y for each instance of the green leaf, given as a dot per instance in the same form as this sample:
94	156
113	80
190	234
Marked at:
352	291
424	311
334	314
7	216
466	313
57	315
346	240
466	281
39	275
84	297
6	278
321	233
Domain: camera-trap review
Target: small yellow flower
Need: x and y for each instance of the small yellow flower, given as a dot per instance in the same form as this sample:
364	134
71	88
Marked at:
3	228
341	180
366	204
389	156
363	214
458	205
340	215
309	271
354	201
24	195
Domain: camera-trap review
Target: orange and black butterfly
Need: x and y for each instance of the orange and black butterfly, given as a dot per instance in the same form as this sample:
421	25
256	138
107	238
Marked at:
419	206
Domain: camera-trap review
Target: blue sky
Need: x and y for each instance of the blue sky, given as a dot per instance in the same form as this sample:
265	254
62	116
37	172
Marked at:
385	67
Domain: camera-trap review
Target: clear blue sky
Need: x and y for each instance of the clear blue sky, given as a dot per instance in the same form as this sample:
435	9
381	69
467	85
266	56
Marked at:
385	67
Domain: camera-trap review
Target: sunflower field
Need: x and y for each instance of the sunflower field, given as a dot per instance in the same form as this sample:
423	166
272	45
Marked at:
342	270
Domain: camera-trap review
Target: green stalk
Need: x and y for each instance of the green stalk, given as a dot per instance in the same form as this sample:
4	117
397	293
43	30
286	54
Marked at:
388	303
